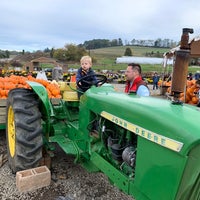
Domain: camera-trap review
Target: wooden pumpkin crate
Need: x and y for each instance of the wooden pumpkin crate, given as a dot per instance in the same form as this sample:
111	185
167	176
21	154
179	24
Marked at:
3	103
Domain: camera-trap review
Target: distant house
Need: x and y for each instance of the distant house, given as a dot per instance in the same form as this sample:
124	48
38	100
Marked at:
35	65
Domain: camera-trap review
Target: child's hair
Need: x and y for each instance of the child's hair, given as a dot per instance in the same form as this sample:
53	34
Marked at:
88	58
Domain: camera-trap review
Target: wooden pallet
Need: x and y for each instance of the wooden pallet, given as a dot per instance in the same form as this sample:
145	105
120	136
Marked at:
3	103
2	119
2	111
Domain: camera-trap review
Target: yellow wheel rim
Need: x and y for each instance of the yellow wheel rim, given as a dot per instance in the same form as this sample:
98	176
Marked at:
11	131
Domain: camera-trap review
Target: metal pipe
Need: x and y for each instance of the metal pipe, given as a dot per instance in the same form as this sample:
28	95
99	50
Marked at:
180	69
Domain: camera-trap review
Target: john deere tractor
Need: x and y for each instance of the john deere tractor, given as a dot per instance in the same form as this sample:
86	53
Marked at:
148	147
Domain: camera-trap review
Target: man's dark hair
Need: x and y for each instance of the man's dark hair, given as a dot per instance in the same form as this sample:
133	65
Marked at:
136	66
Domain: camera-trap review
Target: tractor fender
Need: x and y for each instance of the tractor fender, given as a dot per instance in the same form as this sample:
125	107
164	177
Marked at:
47	109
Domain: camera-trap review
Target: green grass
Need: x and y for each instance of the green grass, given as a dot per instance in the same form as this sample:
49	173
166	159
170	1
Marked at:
114	52
104	59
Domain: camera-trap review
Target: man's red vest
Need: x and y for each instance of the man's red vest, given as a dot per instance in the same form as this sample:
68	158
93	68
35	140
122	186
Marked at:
136	83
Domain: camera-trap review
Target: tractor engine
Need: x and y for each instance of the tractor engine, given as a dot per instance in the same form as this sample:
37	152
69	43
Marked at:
129	156
117	145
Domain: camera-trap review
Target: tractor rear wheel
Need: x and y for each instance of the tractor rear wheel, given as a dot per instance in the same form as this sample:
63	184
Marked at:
23	130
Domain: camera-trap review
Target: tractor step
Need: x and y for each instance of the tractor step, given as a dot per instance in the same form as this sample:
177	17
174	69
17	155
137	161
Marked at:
69	146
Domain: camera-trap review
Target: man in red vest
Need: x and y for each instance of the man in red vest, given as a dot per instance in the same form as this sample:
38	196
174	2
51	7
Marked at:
135	83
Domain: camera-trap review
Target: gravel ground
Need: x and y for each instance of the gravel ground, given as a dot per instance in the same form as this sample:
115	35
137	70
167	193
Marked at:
69	181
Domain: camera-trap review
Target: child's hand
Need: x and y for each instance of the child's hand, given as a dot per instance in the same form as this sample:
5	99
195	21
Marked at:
99	84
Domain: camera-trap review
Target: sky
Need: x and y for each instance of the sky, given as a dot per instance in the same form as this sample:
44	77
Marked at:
33	25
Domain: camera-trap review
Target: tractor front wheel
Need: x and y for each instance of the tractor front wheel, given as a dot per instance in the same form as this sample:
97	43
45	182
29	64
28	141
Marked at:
23	130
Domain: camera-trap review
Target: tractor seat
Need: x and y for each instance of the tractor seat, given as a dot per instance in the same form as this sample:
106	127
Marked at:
68	91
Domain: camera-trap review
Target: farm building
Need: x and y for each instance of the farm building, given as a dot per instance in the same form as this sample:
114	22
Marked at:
35	65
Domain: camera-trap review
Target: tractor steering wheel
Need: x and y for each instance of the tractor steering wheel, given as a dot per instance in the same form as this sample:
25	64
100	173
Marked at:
87	82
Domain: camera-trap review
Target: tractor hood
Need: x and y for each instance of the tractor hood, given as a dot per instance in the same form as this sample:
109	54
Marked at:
173	126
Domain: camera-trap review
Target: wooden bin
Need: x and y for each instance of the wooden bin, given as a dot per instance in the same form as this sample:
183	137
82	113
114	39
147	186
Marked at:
3	103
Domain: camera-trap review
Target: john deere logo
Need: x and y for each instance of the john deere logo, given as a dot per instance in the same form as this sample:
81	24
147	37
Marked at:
149	135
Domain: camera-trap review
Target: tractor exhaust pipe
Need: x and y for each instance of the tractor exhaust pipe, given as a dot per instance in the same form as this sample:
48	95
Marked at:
180	69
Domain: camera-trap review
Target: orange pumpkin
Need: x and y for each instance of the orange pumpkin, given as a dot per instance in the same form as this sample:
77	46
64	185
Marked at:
195	100
14	81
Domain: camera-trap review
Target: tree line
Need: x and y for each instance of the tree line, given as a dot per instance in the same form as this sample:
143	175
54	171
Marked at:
4	54
71	52
102	43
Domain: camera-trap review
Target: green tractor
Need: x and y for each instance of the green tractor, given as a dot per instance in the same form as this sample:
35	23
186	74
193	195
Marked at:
148	147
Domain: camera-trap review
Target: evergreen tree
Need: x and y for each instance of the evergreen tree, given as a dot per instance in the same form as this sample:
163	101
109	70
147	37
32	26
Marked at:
128	52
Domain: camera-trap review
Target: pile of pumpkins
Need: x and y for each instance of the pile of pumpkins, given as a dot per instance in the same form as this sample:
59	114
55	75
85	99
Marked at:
14	81
190	96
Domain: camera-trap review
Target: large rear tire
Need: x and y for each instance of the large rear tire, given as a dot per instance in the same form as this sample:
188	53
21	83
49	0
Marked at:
23	130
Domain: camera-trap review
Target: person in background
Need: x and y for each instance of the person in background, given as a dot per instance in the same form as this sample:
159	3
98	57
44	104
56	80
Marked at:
197	75
57	73
189	77
155	81
85	70
134	82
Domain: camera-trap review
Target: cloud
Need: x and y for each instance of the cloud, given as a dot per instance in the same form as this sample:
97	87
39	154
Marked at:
34	24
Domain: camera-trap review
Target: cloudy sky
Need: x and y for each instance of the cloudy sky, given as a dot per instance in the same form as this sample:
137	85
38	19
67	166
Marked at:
37	24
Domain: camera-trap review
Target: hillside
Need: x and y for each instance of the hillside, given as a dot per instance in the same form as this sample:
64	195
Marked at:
113	52
105	58
101	54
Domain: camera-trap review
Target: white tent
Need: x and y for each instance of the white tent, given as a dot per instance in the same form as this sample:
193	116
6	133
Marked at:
142	60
